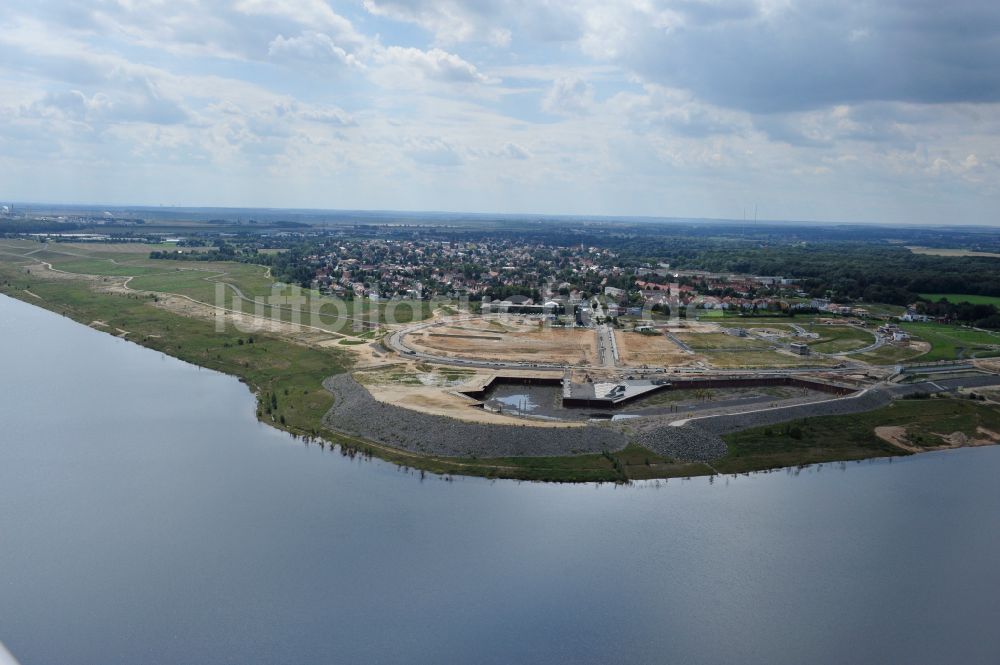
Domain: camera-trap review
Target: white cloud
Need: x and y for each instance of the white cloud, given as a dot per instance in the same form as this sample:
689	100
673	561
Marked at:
514	151
101	109
305	12
493	22
330	116
569	96
665	110
648	106
312	46
405	65
432	152
443	19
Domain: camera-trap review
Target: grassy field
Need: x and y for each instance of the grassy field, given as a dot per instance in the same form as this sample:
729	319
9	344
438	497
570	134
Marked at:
113	260
960	297
711	341
199	281
773	327
946	340
836	339
883	310
888	355
101	267
841	438
750	359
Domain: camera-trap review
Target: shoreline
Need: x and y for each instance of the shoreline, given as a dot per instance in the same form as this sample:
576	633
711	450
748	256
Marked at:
622	462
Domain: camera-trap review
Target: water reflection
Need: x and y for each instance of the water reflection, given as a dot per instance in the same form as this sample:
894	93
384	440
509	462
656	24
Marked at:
146	516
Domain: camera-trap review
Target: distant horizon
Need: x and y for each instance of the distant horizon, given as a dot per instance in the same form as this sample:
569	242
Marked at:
91	206
855	112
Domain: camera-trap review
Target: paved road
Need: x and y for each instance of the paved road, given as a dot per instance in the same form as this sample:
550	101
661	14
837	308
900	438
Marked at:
607	346
802	331
673	338
945	385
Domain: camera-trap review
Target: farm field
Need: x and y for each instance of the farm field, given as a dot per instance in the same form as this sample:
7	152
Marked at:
961	297
938	251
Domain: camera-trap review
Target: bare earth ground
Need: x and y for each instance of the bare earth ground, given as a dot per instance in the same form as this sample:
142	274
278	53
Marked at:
428	389
989	364
897	436
520	339
637	349
490	340
990	393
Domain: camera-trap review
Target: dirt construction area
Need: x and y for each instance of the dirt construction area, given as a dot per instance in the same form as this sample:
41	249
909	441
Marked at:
509	340
637	350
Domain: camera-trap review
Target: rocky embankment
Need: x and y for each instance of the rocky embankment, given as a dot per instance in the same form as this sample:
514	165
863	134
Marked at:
686	443
356	412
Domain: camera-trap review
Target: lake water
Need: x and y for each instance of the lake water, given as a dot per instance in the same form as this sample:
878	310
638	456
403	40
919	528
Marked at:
147	517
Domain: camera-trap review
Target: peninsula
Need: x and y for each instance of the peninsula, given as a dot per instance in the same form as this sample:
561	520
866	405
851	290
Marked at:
564	354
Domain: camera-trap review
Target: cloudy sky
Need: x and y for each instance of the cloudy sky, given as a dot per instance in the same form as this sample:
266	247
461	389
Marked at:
825	110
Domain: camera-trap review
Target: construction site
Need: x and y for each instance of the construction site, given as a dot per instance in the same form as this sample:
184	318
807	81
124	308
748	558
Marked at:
504	368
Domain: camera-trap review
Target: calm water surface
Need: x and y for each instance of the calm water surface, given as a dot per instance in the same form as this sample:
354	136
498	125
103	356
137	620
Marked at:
146	517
